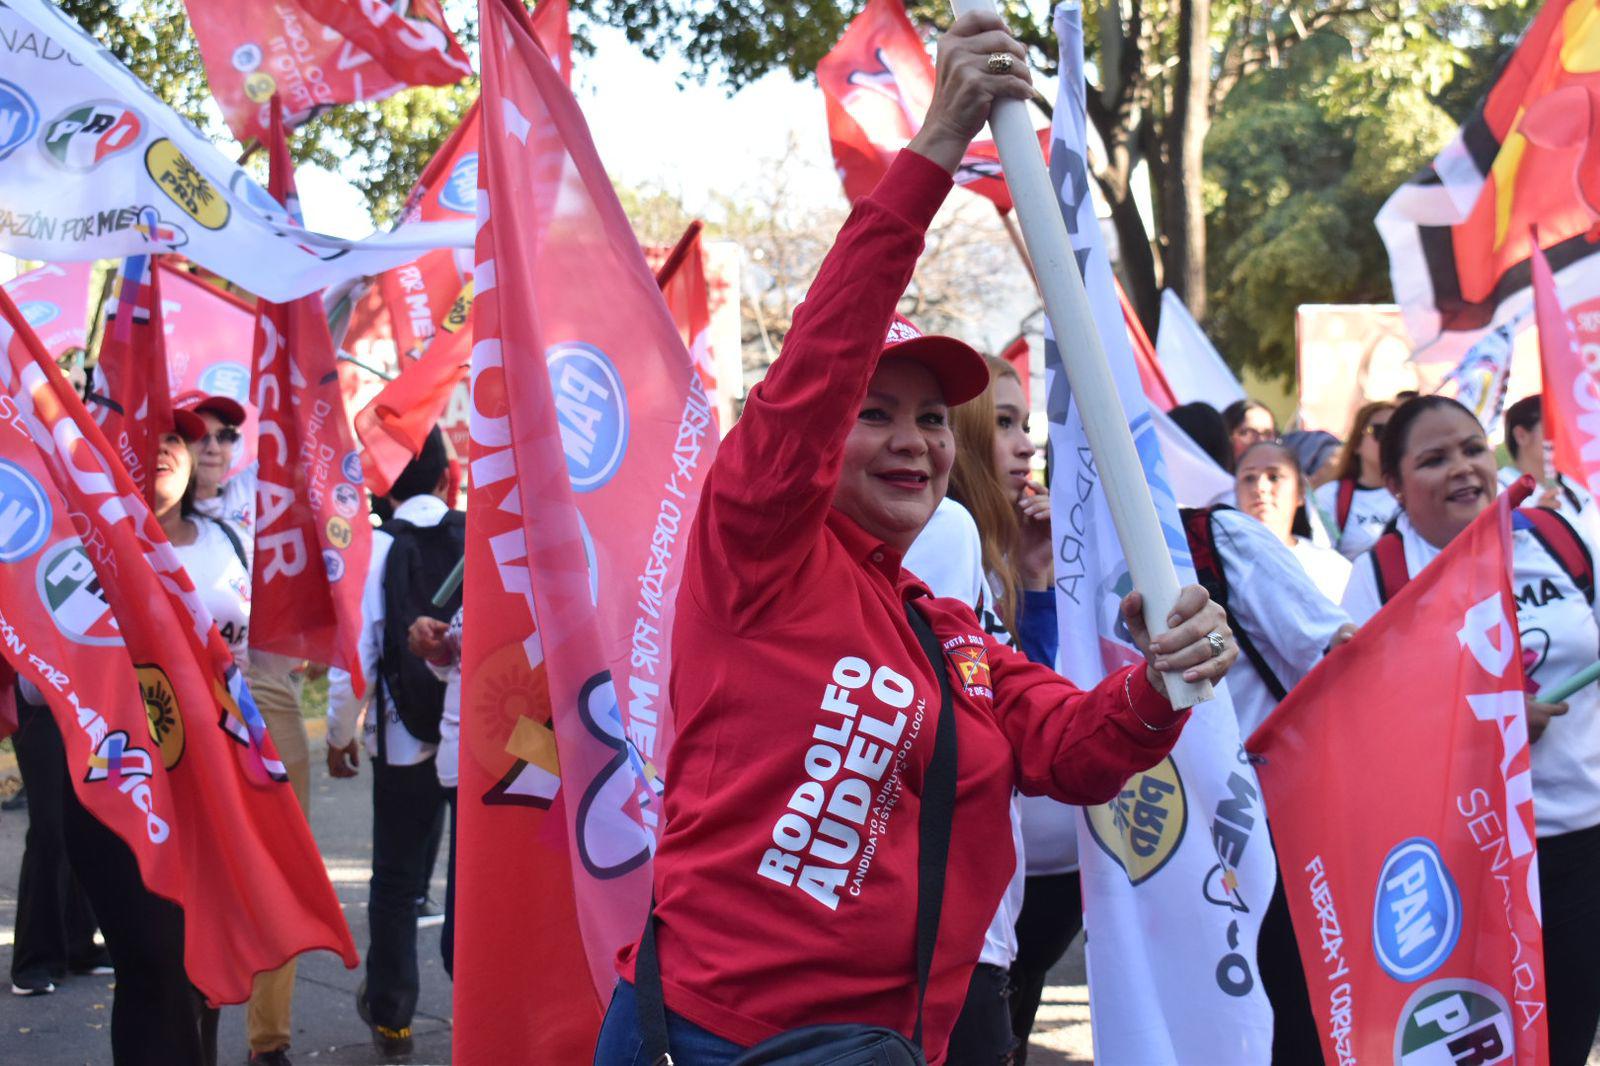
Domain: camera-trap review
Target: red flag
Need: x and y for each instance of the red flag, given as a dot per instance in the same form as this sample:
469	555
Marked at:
313	538
1397	779
877	82
590	438
1457	233
133	404
1151	376
253	50
682	277
55	301
1571	393
100	608
1020	357
415	47
209	333
395	423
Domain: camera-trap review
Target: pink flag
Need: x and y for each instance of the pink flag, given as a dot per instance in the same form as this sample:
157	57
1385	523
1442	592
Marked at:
591	436
1571	392
209	336
55	301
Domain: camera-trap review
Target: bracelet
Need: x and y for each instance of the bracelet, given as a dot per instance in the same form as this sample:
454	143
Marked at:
1128	695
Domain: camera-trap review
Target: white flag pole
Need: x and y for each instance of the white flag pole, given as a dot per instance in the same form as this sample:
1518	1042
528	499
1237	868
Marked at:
1133	511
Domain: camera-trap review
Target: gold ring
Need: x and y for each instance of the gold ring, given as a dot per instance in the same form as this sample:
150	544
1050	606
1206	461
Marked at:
1000	62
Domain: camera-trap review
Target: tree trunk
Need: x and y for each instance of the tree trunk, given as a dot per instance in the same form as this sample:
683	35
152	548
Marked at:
1138	260
1183	223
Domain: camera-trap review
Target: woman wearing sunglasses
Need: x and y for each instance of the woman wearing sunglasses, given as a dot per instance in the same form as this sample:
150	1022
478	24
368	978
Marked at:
234	499
1356	505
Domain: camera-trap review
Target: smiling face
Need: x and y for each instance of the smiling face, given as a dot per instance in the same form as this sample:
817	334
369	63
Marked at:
1268	488
173	468
898	456
212	455
1012	448
1446	475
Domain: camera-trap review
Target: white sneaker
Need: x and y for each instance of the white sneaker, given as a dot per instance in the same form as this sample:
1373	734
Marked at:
33	990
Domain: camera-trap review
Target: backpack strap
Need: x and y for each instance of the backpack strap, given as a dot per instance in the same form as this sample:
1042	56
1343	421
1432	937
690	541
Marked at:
1556	535
1197	526
233	539
1389	564
1342	505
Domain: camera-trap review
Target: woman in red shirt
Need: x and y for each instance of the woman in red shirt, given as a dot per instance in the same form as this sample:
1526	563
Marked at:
786	879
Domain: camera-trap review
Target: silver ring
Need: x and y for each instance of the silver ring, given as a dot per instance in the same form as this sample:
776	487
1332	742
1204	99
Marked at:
1000	62
1218	645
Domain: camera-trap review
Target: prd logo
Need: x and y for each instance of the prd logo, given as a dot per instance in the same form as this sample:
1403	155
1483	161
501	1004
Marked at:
592	410
459	193
70	589
1455	1022
1416	912
19	117
161	712
39	312
87	134
1142	827
25	513
183	183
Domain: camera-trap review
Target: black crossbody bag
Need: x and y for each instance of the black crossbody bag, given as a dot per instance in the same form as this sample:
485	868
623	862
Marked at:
848	1044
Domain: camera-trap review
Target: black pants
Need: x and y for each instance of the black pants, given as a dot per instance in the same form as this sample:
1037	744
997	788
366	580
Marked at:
55	924
447	935
982	1035
157	1018
1052	914
406	804
1296	1038
1569	892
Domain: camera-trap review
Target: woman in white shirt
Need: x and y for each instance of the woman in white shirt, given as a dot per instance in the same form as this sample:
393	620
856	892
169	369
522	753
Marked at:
1271	488
1438	463
1356	504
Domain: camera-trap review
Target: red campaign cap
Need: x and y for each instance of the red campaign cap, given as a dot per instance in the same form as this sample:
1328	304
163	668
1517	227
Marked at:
188	425
961	372
224	407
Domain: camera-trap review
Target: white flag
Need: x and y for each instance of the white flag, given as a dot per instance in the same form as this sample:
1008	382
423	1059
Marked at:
1193	366
1480	378
1177	871
94	166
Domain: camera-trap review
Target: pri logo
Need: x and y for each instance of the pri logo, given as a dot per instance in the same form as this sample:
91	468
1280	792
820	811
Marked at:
1416	916
184	185
592	410
226	379
39	312
1142	827
70	589
88	134
1454	1020
346	499
460	190
246	57
25	514
161	711
19	117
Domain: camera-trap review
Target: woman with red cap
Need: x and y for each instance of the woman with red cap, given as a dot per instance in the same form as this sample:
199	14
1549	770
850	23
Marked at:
811	673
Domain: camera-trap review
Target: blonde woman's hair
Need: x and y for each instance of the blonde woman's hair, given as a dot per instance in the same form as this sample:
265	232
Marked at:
976	485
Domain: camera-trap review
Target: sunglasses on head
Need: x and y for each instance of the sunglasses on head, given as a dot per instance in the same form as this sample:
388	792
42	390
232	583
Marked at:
1375	429
225	435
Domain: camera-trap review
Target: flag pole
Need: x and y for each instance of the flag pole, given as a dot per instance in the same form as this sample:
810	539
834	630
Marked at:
1127	494
680	252
1015	234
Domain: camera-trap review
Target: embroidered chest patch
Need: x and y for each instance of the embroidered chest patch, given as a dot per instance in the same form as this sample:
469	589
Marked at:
971	660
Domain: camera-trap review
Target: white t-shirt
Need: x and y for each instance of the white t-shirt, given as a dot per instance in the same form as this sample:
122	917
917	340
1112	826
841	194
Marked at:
1370	511
223	582
447	762
1272	598
235	502
1560	636
948	556
1328	570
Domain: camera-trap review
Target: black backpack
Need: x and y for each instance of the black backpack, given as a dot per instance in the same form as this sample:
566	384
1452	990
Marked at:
420	558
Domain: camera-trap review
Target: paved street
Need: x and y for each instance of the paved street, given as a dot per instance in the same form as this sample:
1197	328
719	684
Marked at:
71	1026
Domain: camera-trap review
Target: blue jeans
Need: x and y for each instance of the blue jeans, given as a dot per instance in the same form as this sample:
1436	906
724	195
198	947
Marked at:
622	1044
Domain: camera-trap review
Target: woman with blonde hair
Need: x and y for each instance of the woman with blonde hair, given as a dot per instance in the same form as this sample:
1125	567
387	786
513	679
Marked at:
1355	505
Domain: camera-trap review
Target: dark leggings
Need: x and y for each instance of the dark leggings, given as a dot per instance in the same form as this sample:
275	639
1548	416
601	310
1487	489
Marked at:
1052	914
157	1018
1569	873
1296	1039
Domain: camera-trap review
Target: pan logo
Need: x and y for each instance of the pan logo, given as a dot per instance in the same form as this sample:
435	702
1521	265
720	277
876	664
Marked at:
39	312
1455	1021
592	409
19	117
1416	915
460	191
70	589
25	514
226	379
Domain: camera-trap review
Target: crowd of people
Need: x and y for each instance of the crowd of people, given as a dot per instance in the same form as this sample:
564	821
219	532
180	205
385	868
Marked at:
868	598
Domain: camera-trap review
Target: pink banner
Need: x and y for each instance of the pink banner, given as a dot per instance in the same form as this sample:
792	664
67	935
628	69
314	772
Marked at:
55	301
209	335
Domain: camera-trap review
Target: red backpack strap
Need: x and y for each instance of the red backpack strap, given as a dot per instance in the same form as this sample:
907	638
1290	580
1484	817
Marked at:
1197	528
1558	538
1341	507
1389	563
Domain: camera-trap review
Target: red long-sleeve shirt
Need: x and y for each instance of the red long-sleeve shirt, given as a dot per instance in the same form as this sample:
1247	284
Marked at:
786	882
